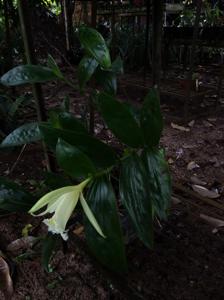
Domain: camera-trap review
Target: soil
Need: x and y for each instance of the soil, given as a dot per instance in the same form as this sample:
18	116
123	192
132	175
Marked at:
187	260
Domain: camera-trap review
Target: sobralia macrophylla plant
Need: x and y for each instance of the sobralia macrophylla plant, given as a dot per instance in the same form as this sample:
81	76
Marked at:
144	185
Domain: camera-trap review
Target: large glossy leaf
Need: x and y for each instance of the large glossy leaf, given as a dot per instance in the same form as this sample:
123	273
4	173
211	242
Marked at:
135	195
107	80
94	45
110	250
13	197
54	67
17	104
27	74
117	66
87	67
120	120
102	155
70	122
151	119
25	134
55	181
159	180
48	246
73	161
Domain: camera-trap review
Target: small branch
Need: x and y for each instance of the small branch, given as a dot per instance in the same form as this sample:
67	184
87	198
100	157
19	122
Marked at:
17	160
199	197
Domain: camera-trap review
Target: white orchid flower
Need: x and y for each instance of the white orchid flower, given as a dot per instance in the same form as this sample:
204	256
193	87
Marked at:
62	203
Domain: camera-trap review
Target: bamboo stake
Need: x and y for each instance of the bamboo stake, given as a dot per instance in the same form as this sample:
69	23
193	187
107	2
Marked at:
192	57
157	17
30	57
91	100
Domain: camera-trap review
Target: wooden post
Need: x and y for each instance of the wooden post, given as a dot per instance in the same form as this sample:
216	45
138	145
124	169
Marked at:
23	9
113	33
65	8
157	27
94	13
8	57
146	54
91	104
192	57
85	11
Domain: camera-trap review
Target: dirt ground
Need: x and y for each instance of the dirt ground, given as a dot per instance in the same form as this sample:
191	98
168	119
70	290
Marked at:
188	259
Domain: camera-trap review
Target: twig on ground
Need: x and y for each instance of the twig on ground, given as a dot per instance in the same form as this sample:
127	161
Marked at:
17	160
193	194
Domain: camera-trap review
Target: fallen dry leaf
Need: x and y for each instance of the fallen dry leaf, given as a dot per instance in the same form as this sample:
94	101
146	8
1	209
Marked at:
175	200
212	119
216	223
179	153
78	230
6	284
191	123
186	146
192	165
170	161
215	161
181	128
194	179
21	244
205	192
207	124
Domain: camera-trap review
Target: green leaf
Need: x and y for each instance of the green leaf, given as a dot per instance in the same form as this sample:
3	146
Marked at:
120	120
70	122
134	111
25	134
117	66
66	120
14	198
54	67
55	181
65	105
73	161
27	74
110	250
53	118
87	67
135	195
15	106
100	154
151	119
48	246
159	180
94	44
107	80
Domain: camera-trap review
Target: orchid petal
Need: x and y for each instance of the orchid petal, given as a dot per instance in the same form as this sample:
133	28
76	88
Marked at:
57	223
90	215
50	198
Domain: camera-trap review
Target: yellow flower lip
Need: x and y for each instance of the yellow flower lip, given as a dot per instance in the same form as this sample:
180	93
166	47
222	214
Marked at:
61	203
